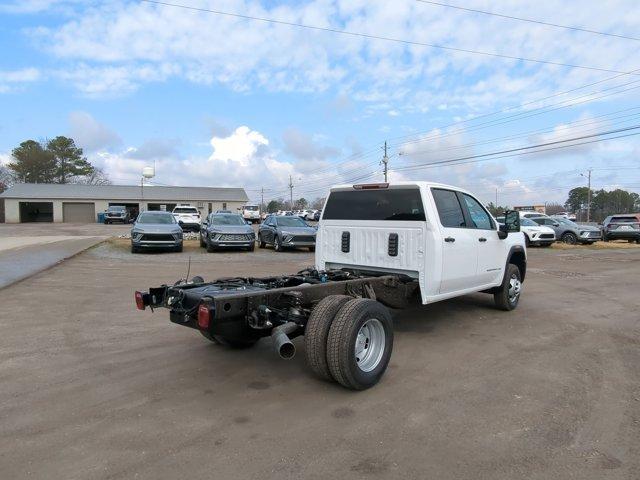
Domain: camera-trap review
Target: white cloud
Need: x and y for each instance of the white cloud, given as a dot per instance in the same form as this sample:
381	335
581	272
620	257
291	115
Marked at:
90	134
113	48
11	80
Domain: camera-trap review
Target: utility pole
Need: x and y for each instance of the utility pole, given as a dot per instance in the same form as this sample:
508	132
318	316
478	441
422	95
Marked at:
385	162
290	192
588	176
496	197
261	200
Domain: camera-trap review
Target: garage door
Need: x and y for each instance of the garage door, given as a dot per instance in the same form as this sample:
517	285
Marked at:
78	212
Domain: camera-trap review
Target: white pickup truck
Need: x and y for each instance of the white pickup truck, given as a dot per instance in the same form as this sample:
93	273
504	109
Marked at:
379	246
251	213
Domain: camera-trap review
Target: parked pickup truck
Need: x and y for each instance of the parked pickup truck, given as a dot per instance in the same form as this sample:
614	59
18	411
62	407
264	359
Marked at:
379	246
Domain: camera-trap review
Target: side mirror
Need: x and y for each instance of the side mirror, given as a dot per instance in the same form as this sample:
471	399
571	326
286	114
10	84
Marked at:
205	223
511	224
248	222
556	224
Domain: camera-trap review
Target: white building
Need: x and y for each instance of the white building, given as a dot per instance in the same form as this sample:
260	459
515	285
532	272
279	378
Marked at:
47	202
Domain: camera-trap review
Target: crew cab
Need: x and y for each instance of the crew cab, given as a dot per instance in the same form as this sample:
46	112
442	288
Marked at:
187	216
379	246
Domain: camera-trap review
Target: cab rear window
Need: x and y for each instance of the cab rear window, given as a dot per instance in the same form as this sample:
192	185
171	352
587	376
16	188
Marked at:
383	204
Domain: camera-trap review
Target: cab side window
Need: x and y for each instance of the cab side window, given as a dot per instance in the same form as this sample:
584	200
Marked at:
449	208
480	219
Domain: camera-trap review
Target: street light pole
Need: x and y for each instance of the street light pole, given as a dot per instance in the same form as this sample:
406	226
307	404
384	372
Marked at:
588	177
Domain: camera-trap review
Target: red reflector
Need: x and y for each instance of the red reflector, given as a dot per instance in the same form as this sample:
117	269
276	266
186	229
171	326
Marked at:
204	316
140	301
370	186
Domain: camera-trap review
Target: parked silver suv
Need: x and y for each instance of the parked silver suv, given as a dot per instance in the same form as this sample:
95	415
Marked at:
568	231
153	230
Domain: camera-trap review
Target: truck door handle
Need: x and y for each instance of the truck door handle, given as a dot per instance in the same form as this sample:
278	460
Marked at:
482	239
449	239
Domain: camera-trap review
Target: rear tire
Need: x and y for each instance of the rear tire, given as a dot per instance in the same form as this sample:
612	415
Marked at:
527	242
312	249
508	295
359	344
317	331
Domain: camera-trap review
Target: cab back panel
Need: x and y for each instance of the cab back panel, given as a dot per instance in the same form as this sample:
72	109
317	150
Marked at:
373	244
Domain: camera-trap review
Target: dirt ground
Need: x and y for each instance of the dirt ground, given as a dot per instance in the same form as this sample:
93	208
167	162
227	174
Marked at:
93	389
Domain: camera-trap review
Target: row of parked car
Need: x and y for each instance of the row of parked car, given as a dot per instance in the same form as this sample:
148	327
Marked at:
220	230
543	230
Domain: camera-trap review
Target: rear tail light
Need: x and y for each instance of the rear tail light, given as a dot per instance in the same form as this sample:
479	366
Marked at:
204	316
140	301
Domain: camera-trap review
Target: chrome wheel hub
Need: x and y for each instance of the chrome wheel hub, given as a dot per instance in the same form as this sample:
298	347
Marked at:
515	286
370	343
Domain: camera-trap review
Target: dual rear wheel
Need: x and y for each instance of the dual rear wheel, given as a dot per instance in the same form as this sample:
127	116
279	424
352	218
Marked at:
349	340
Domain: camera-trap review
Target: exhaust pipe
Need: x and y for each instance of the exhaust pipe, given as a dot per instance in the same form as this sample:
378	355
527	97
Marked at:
282	342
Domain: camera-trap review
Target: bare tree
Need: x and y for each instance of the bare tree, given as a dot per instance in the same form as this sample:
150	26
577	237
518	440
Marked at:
553	208
95	177
7	178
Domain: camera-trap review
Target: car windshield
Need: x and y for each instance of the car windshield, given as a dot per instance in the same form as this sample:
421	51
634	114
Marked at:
566	221
116	209
290	222
525	222
156	218
227	220
185	210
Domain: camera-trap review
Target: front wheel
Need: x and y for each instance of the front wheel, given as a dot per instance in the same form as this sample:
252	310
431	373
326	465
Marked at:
359	344
210	248
261	243
251	247
312	249
527	242
569	238
508	295
277	246
202	244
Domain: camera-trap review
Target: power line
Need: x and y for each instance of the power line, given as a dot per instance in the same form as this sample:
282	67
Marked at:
522	151
522	19
535	112
378	37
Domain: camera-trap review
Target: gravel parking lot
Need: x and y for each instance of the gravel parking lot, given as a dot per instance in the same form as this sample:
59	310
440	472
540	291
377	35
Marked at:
93	389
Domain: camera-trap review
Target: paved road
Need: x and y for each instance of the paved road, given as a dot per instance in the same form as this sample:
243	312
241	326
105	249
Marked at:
92	389
22	257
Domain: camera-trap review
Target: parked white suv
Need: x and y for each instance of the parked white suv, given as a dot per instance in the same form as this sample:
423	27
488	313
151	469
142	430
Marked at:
188	217
440	235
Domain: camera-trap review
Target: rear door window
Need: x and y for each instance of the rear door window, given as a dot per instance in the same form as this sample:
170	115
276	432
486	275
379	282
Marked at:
449	208
383	204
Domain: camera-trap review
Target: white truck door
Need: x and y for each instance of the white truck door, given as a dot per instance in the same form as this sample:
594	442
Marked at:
490	248
459	243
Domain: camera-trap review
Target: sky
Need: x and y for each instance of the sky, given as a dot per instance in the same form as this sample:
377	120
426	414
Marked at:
217	100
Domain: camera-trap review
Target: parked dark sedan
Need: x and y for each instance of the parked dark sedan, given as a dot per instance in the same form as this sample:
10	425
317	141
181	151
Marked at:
220	230
154	230
286	231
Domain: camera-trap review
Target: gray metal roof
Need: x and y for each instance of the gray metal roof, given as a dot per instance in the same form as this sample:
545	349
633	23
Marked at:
123	192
